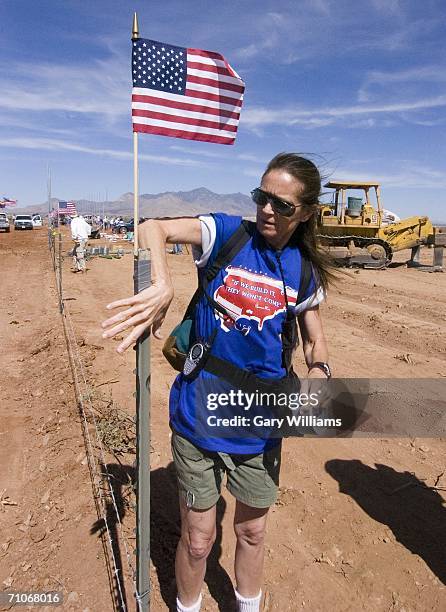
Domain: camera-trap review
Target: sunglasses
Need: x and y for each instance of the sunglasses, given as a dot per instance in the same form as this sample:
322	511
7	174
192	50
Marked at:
281	207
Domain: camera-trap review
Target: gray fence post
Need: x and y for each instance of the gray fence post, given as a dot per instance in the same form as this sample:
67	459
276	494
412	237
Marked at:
438	258
60	274
142	280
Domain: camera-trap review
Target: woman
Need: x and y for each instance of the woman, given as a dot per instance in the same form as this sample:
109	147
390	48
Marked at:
262	283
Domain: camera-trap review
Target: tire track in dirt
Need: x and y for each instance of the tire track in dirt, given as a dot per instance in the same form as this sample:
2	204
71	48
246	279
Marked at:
45	541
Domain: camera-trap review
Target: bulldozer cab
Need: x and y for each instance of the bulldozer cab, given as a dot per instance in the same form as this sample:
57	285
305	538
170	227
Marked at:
362	208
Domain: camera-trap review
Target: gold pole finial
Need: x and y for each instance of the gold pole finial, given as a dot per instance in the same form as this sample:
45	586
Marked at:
135	28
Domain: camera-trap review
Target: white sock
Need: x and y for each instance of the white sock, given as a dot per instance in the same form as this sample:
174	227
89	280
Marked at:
193	608
248	604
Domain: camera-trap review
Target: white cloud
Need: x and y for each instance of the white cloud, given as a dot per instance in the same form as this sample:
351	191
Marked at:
397	83
387	6
61	145
254	118
265	43
410	176
101	88
197	151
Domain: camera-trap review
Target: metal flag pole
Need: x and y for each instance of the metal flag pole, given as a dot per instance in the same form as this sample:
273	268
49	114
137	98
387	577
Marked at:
141	277
50	220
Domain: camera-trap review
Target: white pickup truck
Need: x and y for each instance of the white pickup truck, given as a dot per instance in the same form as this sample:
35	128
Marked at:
23	222
4	222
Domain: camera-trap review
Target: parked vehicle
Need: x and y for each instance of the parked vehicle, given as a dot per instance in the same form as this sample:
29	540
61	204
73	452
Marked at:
37	221
23	222
122	227
4	222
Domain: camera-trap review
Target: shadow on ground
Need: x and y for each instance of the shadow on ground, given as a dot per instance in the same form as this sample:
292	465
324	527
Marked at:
413	511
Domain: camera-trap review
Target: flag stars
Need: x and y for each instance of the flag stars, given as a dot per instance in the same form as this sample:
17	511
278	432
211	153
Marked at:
158	66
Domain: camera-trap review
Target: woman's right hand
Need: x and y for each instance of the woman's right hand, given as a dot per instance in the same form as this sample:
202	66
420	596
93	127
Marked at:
145	312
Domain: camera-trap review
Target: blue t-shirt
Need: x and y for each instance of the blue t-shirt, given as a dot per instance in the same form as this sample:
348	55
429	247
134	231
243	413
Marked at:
251	289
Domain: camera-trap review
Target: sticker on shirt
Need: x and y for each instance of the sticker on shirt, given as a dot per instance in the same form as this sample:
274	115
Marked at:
249	295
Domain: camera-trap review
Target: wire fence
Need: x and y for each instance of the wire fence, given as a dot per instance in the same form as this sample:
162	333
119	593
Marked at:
110	525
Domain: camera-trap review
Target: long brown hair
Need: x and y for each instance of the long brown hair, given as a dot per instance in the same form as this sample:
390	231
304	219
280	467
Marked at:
305	171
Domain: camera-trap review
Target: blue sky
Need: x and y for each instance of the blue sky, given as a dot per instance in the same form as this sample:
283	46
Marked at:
360	85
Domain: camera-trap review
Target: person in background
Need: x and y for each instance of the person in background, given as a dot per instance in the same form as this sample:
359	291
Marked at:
80	232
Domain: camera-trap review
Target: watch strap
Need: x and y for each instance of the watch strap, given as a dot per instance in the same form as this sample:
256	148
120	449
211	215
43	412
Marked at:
322	366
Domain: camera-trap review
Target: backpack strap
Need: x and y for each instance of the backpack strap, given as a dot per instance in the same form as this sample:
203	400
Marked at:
290	331
229	250
306	272
225	255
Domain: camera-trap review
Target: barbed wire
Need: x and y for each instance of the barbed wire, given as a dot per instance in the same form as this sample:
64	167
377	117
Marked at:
96	475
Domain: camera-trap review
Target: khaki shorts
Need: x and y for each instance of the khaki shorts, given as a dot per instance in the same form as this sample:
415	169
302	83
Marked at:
252	479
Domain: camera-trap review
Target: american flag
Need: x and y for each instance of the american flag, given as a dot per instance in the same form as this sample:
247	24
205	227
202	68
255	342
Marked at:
184	93
67	208
7	202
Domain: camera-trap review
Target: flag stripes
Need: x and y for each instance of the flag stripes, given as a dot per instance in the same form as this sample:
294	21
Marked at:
184	93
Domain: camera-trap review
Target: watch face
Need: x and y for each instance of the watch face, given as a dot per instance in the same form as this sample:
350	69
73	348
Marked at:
196	352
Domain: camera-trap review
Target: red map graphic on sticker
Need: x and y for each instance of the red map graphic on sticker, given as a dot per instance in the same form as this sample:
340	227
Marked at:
252	296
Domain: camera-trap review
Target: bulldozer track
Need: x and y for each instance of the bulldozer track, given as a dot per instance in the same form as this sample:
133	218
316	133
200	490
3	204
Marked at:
360	242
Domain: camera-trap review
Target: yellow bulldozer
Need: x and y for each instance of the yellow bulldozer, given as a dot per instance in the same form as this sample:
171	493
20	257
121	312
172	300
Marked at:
369	232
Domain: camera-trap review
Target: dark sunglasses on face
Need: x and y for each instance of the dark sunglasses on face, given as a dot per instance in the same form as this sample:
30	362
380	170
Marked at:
281	207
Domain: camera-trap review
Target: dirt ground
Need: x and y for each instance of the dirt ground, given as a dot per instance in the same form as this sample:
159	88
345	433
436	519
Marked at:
360	524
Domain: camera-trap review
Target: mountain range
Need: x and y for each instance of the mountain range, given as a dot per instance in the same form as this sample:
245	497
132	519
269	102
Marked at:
166	204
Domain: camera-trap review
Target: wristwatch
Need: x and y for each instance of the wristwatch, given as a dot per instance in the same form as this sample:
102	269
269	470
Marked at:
322	366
